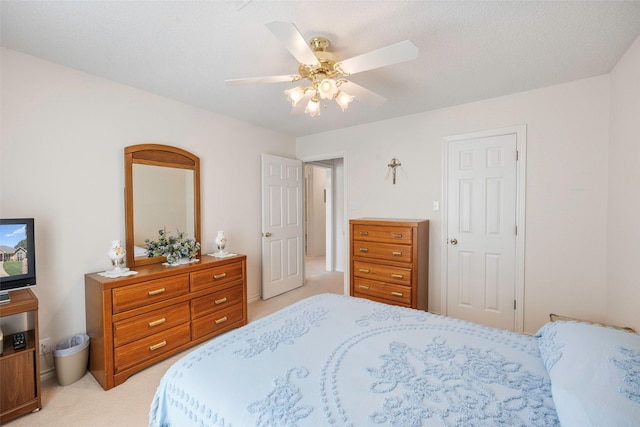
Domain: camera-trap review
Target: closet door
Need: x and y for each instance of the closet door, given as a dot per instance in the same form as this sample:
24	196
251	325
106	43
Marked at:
481	250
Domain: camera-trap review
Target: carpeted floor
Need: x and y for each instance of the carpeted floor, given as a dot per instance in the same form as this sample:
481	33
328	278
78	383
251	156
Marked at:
85	403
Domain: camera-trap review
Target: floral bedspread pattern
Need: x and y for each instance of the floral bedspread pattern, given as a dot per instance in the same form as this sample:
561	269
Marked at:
629	362
333	360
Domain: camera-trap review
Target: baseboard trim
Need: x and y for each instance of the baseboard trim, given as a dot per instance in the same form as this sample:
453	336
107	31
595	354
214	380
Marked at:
47	374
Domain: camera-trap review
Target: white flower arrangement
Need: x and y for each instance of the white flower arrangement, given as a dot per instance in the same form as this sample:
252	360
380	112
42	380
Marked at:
171	247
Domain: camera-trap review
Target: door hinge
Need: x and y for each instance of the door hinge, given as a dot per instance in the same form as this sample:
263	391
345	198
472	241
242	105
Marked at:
517	155
514	304
516	230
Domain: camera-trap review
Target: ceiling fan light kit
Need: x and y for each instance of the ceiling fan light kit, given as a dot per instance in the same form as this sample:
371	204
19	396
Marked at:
324	73
324	79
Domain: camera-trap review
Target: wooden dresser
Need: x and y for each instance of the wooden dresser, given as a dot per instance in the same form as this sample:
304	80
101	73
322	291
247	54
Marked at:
137	321
390	261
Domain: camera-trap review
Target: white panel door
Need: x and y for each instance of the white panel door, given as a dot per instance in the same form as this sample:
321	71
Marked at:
481	230
282	225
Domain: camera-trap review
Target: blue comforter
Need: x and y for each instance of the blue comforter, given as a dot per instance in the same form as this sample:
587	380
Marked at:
333	360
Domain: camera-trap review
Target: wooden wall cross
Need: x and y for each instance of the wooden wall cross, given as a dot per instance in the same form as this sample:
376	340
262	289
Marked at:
392	168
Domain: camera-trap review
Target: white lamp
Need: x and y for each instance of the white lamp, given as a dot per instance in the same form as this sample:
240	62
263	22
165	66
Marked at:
313	107
327	88
343	99
294	95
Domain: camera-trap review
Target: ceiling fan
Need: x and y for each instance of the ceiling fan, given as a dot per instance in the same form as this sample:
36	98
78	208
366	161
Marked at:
324	76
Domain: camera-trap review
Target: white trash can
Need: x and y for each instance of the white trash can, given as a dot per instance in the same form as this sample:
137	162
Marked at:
71	358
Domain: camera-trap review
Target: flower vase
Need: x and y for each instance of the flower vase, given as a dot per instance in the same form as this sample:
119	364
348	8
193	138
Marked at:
116	254
221	242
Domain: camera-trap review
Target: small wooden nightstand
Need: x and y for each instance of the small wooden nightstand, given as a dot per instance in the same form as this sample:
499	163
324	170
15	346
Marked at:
20	369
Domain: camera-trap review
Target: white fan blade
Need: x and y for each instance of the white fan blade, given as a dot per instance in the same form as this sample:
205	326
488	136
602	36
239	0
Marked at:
363	94
383	57
257	80
289	35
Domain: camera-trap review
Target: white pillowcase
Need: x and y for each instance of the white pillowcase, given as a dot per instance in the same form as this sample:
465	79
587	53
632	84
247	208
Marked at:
595	373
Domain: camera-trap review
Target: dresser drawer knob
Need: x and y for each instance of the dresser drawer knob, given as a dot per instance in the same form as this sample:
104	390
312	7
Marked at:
157	291
364	250
366	288
363	270
397	236
157	322
219	276
157	346
397	276
221	320
396	294
364	233
396	253
221	300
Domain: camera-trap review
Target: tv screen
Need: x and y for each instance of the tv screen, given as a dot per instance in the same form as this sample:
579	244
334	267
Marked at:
17	255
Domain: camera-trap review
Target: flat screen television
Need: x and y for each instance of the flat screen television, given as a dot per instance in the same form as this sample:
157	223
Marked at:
17	255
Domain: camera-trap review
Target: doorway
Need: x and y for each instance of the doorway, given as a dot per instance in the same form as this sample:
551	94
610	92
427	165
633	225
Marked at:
483	227
324	215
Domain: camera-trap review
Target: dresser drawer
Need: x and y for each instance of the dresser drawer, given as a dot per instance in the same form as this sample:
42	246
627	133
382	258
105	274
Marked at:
382	251
384	273
216	322
216	301
216	277
144	293
399	294
150	323
384	234
155	345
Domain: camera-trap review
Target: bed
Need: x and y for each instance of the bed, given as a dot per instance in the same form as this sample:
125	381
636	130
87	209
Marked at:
334	360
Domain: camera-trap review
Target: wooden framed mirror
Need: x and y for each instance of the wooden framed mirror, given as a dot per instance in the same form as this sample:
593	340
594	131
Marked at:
162	191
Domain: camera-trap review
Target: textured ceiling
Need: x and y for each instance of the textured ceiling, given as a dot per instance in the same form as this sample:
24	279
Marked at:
185	50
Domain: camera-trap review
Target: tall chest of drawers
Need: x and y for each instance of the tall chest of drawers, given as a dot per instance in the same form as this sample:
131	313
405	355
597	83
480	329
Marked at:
137	321
390	261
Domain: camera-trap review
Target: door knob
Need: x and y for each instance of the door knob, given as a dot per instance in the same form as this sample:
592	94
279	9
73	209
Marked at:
267	234
454	241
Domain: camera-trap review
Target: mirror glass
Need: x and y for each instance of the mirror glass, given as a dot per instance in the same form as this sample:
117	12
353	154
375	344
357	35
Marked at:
161	193
163	199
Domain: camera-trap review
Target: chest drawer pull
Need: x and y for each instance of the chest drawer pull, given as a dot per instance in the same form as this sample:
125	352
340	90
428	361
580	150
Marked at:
221	300
366	288
157	346
219	276
221	320
397	276
364	233
156	291
364	250
157	322
396	294
396	253
363	270
397	236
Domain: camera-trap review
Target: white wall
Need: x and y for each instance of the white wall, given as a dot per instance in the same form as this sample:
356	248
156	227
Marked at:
567	138
623	266
62	139
340	256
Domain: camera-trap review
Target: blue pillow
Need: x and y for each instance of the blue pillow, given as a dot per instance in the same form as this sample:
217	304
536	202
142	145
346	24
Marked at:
595	373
